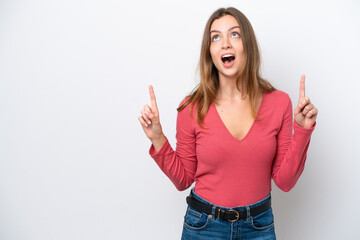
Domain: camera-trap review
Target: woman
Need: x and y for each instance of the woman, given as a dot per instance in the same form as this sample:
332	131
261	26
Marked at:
234	133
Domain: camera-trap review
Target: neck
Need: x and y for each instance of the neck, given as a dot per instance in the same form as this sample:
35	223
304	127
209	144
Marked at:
228	91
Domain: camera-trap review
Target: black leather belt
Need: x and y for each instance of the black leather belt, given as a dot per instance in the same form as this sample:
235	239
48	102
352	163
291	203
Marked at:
228	215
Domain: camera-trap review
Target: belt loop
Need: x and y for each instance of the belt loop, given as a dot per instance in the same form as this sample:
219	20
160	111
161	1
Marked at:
247	212
213	212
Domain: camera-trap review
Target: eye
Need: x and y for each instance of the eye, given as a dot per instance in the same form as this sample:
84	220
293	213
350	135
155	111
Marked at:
215	38
235	34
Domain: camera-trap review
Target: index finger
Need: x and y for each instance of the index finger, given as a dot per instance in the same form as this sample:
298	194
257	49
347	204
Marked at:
302	87
152	98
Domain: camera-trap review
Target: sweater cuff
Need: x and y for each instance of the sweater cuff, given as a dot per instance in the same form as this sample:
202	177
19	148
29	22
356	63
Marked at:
305	131
162	150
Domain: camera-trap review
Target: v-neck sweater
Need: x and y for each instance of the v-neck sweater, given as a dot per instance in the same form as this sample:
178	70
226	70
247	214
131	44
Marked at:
229	172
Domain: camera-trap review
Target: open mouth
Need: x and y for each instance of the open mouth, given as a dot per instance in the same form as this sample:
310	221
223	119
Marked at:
228	58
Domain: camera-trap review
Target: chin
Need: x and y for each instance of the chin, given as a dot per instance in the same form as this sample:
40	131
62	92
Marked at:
229	74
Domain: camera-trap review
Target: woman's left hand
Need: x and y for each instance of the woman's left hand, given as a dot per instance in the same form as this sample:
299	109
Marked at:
305	112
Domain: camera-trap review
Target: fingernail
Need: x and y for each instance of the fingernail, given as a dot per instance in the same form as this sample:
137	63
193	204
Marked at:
149	122
146	112
146	125
303	101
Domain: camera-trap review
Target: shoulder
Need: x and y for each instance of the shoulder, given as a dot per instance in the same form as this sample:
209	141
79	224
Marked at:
184	100
279	102
278	97
185	112
278	94
185	118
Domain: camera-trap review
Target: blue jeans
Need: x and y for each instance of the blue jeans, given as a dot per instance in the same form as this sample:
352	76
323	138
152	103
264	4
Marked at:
199	225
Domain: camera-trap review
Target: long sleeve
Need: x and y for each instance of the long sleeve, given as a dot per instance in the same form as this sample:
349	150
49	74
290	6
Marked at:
291	151
180	165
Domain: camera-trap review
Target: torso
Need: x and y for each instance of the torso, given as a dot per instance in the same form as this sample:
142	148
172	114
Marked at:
237	117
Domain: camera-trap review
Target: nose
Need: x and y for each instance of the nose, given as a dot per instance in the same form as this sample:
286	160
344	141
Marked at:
226	43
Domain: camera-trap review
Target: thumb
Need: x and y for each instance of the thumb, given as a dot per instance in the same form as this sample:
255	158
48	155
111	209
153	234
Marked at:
154	116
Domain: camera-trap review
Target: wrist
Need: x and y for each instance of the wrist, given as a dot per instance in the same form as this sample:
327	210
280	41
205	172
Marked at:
158	138
158	142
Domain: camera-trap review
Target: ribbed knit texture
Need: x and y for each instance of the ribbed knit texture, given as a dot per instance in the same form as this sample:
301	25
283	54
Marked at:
230	172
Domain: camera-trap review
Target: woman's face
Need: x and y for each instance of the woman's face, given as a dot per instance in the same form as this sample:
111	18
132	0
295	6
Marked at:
226	47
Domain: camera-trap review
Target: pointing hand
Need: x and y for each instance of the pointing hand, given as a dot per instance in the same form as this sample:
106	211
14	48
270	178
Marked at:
150	120
305	112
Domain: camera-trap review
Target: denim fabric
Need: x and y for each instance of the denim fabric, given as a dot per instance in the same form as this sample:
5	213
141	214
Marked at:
199	225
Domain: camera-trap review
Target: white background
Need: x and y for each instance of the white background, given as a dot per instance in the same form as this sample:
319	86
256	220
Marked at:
74	76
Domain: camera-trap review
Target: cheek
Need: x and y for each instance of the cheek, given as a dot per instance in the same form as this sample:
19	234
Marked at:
240	52
213	55
238	45
213	59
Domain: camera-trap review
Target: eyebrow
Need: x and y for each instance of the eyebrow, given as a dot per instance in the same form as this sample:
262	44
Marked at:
228	30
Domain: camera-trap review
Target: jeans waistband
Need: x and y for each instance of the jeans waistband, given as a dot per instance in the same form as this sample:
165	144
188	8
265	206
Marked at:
238	208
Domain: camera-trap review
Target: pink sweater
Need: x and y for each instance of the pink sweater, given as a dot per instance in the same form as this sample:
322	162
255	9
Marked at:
230	172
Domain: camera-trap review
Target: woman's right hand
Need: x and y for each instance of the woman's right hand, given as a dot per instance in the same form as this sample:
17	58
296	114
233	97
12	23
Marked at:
150	119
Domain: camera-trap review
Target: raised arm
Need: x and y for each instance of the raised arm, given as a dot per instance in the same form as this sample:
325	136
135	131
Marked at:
180	165
291	153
